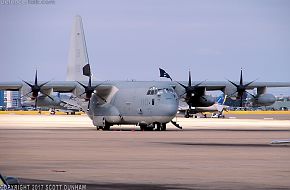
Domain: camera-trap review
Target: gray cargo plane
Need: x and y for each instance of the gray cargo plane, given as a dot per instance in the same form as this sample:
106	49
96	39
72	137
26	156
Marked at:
148	104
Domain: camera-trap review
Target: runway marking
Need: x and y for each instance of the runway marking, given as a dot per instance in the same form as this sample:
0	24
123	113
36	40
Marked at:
268	118
228	144
232	117
60	171
281	142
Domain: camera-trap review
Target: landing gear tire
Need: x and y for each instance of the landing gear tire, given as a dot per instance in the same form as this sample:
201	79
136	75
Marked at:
100	127
163	127
107	127
150	128
158	126
146	127
142	127
186	114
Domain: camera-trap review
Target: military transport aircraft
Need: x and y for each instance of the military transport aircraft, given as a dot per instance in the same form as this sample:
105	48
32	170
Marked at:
148	104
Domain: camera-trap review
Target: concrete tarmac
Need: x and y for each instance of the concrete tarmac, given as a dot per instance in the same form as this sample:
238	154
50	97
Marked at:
206	154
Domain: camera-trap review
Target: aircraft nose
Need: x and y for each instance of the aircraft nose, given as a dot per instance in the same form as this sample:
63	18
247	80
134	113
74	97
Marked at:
170	108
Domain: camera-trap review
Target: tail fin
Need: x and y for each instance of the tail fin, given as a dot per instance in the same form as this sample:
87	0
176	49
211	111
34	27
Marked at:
78	56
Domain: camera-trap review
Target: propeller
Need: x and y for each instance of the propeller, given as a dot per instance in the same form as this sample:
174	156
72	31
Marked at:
241	88
190	90
35	89
89	89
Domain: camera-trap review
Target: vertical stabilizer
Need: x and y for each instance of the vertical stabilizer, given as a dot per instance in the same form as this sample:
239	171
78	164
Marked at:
78	56
221	99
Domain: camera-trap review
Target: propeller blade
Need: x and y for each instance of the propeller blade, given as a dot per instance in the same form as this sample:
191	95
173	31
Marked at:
25	94
203	98
182	94
35	105
233	83
189	106
241	102
246	85
182	85
241	77
90	81
98	85
251	94
82	94
189	78
89	103
28	83
199	83
43	84
35	79
47	95
233	93
82	84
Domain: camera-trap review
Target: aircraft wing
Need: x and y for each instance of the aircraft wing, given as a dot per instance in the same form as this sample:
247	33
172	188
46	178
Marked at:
220	85
11	86
57	86
103	90
269	84
62	86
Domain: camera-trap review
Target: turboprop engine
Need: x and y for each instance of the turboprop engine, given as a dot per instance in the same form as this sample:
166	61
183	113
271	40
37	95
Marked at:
202	101
195	95
36	89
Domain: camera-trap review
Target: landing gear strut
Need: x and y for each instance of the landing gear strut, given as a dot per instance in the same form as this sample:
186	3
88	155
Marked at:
104	128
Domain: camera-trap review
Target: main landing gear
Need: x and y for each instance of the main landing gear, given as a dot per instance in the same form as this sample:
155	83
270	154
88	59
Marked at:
151	127
104	128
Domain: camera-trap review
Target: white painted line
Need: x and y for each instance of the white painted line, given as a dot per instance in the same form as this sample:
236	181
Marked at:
268	118
280	142
232	118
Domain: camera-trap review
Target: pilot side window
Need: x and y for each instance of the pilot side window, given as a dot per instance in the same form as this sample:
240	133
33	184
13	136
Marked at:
152	91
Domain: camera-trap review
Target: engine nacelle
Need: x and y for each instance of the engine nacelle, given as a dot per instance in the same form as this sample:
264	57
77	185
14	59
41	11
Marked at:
202	101
264	100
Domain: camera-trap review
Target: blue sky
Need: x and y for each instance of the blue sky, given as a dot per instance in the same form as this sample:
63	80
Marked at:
131	39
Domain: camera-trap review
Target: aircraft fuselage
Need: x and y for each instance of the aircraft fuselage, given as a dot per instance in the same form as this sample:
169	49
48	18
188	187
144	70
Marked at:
135	104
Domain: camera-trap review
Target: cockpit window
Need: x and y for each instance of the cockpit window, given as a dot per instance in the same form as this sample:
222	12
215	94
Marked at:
153	91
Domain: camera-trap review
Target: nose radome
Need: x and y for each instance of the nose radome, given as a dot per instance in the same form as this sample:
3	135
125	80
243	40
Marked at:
170	108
